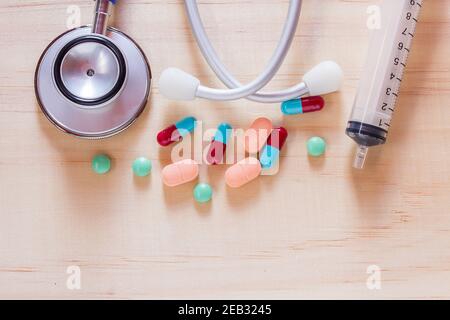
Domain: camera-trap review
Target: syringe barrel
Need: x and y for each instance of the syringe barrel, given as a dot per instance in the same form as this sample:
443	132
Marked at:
380	82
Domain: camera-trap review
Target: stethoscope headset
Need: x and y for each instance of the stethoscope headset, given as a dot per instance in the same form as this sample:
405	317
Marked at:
93	82
175	84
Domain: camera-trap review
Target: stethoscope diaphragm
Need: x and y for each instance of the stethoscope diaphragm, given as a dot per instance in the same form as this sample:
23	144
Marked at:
93	85
90	70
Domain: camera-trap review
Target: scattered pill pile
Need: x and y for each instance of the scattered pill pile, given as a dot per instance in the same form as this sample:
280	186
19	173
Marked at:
261	138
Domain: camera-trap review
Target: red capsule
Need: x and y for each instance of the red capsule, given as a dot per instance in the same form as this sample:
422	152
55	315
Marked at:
277	138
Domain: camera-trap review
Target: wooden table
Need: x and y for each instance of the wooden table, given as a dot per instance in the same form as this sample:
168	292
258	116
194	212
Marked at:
312	231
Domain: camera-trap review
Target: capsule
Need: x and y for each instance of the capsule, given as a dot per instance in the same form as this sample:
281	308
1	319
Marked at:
243	172
271	151
256	136
180	173
218	145
303	105
176	132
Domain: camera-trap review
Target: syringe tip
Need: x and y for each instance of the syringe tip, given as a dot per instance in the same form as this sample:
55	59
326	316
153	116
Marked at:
360	158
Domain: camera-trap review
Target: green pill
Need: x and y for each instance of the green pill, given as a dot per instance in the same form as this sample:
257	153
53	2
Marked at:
142	167
316	146
101	164
203	193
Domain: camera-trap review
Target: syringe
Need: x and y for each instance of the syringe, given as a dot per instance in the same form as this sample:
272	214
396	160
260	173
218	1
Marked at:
380	83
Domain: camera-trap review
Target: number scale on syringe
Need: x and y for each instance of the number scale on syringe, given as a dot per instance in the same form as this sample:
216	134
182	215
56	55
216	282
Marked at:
393	80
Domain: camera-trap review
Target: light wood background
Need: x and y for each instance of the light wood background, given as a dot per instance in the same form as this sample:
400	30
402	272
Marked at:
309	232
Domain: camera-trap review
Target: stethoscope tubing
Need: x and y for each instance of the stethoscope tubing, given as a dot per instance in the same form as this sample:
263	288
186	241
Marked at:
227	78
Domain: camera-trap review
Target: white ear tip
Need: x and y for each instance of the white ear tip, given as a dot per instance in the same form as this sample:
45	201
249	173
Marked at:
176	84
326	77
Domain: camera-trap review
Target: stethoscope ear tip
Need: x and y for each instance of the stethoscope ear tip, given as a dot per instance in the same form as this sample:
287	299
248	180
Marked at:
175	84
326	77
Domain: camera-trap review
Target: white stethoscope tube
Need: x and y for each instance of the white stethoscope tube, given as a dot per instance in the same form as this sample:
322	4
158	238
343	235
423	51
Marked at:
240	91
222	72
175	84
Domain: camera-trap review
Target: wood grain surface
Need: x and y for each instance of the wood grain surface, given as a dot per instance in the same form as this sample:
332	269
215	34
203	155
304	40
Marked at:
311	231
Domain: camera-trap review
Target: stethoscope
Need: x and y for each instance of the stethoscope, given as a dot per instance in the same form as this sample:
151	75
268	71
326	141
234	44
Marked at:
176	84
93	82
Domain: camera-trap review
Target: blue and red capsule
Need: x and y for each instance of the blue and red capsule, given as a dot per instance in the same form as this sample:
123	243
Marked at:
270	154
177	132
219	143
303	105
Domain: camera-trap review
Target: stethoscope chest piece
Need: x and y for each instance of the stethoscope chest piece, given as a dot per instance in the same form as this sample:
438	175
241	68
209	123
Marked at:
93	85
90	70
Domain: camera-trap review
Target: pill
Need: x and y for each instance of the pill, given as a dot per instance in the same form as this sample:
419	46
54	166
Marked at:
303	105
316	146
243	172
142	167
256	136
271	151
101	164
177	131
218	145
203	193
180	172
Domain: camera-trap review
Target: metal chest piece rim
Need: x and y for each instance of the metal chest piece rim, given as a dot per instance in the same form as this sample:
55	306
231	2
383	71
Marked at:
93	82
